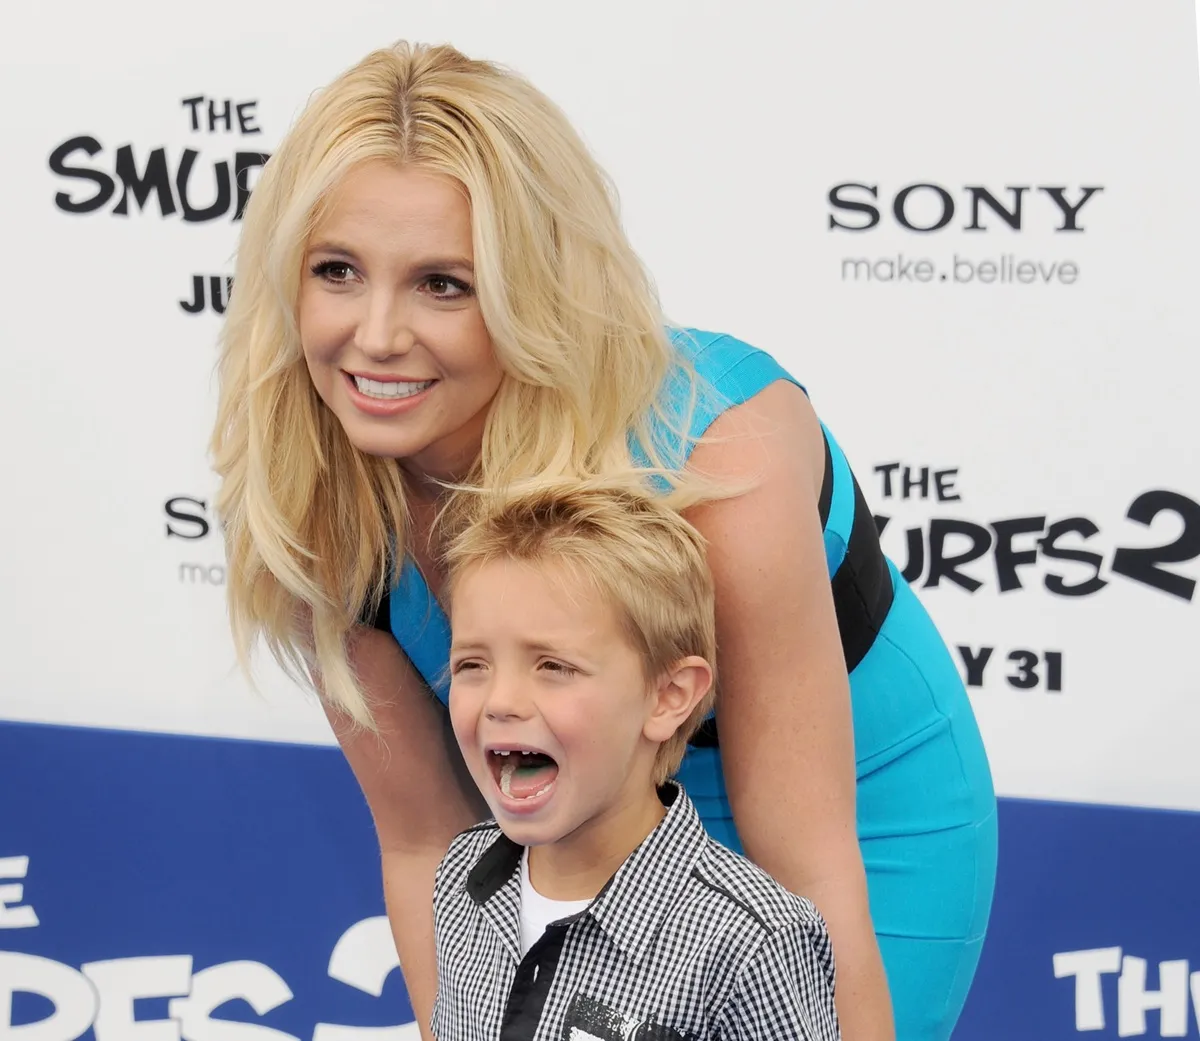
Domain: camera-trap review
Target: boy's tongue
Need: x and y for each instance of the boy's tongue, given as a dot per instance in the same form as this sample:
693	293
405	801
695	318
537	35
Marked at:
523	776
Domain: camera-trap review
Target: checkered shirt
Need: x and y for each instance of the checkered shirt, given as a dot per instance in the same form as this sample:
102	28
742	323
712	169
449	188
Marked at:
688	941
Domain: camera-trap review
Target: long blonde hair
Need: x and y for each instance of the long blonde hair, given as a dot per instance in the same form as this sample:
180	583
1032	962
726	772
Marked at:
314	528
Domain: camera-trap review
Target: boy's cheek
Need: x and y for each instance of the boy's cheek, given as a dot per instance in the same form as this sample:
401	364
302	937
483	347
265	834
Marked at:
462	722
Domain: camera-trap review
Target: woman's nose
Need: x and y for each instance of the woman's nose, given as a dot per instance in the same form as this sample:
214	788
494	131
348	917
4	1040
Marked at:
383	331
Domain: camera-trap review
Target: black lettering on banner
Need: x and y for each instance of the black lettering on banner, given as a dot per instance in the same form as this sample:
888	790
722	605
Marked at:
839	201
189	512
887	469
848	198
246	116
224	113
916	555
217	298
1142	565
948	561
106	187
224	189
1052	551
944	480
155	179
243	163
1010	217
921	482
1070	213
1026	675
943	566
899	204
173	194
1027	672
1054	671
218	292
975	663
1009	559
197	303
194	104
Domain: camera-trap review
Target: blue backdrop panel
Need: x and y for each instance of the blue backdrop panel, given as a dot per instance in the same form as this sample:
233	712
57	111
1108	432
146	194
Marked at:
145	845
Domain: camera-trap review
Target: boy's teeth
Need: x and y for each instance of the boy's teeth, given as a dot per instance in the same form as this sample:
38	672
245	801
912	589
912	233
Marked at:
507	770
379	389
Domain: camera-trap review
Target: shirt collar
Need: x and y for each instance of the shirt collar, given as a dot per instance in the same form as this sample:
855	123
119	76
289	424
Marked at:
649	880
638	897
496	866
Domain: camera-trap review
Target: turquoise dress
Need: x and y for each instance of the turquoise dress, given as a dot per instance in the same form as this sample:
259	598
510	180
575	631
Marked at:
925	804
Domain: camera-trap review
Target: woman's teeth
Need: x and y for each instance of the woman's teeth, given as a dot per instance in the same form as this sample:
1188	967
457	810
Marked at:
391	389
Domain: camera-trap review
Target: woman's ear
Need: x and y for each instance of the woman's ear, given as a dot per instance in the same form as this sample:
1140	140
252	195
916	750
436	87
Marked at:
675	694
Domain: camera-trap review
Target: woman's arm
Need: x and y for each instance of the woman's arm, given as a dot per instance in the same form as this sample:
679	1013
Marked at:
784	717
419	794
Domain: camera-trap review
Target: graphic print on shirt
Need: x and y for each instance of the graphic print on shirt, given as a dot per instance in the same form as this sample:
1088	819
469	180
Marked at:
590	1020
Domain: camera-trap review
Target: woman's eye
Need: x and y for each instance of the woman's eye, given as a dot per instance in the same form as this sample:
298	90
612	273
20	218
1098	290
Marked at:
465	666
333	270
446	288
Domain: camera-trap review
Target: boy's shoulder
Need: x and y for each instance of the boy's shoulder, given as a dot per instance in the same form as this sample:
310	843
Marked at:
466	849
475	839
762	940
725	877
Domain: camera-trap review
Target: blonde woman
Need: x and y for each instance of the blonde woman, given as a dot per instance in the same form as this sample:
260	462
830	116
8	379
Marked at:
433	289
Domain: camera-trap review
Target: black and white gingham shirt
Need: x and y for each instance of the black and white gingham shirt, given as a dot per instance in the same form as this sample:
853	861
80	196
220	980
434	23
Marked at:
687	942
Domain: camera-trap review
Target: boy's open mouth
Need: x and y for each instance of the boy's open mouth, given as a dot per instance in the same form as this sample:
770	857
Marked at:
521	773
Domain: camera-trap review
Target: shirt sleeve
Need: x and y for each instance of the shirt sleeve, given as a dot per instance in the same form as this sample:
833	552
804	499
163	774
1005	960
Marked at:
785	990
450	871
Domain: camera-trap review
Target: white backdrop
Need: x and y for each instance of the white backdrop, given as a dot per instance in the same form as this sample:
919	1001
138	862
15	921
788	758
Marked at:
725	132
1058	384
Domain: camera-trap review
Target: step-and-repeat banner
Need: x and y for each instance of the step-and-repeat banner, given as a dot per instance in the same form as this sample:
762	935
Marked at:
970	229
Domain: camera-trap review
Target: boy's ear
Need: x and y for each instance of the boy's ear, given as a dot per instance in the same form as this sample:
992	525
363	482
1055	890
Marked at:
675	694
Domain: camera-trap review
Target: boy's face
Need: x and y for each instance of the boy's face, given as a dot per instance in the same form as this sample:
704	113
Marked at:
539	665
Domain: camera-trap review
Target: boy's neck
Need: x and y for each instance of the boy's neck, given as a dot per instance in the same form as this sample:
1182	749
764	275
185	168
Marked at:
578	865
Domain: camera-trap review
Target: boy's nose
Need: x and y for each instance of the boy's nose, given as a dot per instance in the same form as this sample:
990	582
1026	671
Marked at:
507	700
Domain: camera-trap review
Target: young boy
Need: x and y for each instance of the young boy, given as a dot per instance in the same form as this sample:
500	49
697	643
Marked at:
595	907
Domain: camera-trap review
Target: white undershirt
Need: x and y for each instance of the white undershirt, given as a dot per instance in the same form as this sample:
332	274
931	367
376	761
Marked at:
538	911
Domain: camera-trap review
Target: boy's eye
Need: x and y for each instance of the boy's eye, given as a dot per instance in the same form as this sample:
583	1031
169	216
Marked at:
465	666
558	668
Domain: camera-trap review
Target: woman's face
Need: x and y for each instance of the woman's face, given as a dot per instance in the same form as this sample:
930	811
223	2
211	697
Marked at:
389	322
